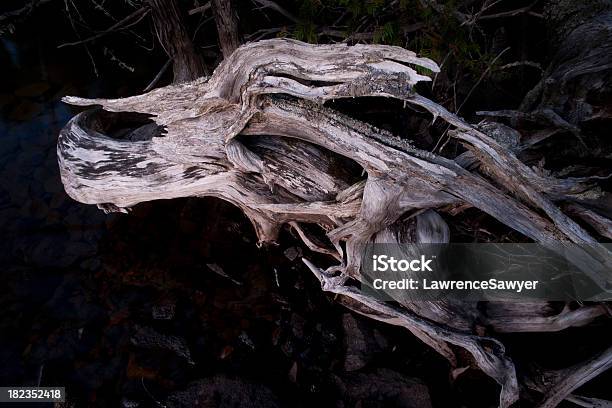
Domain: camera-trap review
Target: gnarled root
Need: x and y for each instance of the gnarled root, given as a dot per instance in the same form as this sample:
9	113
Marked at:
256	133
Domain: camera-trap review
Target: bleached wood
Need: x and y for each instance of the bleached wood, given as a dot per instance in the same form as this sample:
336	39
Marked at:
257	134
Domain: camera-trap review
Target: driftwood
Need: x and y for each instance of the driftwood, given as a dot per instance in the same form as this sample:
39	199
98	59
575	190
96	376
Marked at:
258	134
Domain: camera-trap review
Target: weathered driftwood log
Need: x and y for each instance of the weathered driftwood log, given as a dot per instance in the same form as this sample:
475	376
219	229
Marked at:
258	134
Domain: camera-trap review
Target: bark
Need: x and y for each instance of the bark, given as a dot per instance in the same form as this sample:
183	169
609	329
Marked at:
574	94
187	64
227	26
576	85
257	134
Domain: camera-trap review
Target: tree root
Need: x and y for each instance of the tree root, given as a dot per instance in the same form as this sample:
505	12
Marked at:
256	134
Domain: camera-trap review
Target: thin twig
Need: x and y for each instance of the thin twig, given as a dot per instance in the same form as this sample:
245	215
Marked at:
22	12
111	55
433	85
588	402
200	9
159	404
259	34
93	62
155	80
138	14
484	74
272	5
512	13
76	32
522	63
475	17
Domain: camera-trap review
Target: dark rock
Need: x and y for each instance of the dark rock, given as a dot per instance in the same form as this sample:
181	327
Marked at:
223	392
147	338
164	310
93	375
361	342
297	325
91	264
383	388
127	403
292	253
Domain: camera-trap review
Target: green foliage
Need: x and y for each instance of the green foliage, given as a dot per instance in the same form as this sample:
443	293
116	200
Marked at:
361	7
386	34
306	31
